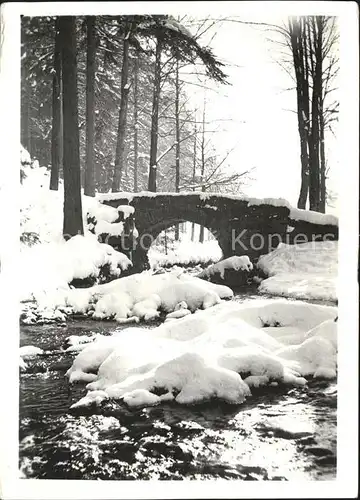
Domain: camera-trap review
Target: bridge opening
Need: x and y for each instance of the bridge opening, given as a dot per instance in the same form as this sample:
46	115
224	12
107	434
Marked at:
184	244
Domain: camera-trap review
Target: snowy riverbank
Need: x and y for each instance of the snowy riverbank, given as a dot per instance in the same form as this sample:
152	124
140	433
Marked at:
304	271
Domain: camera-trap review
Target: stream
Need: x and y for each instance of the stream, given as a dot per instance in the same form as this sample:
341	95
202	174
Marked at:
277	434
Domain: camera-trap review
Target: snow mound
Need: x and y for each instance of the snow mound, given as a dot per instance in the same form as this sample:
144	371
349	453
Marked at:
112	229
127	210
223	353
29	351
307	270
133	298
142	296
60	263
103	212
102	218
236	263
316	355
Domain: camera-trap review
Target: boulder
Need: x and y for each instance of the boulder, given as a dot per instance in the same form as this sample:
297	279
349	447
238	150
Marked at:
234	271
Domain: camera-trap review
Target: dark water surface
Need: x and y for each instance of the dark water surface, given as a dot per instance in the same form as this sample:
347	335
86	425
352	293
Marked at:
277	434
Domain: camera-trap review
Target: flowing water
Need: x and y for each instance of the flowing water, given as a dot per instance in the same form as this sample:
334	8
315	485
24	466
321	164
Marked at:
277	434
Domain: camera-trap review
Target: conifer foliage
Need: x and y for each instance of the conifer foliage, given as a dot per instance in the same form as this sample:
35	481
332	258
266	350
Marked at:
103	106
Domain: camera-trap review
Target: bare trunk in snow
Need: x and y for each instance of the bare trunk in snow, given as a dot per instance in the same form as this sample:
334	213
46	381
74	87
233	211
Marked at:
314	150
120	145
56	132
177	139
193	179
155	118
322	206
297	29
136	125
202	171
73	221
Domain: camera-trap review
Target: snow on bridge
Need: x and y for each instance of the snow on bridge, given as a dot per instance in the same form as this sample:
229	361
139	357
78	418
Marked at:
241	225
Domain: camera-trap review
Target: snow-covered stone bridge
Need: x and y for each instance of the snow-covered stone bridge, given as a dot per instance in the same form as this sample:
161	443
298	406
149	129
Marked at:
241	225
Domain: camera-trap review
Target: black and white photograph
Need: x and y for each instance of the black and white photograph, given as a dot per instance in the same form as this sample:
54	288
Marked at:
179	250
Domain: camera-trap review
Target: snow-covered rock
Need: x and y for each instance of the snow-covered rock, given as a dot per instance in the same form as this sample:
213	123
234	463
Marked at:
178	313
222	352
234	271
316	355
133	298
29	351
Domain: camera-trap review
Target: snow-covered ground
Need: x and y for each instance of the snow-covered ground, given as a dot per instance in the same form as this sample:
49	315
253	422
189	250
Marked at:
304	271
48	268
42	209
185	252
223	352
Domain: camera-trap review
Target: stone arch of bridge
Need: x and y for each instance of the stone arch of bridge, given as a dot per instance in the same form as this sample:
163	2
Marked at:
163	227
152	225
149	231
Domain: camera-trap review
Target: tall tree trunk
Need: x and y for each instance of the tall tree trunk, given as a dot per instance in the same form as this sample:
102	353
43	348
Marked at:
193	179
56	132
322	207
89	184
314	153
100	171
177	129
177	139
136	124
296	30
120	144
73	221
202	171
155	118
322	201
